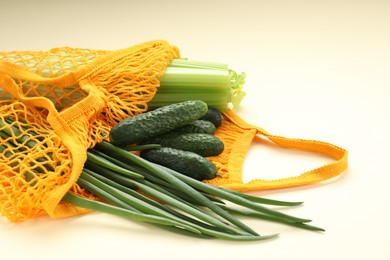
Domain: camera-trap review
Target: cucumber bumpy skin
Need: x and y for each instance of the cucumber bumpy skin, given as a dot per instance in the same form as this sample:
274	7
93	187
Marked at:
198	126
213	116
136	129
203	144
187	163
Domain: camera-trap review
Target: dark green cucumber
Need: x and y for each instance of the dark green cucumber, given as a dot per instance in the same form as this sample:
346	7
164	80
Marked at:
198	126
213	116
136	129
187	163
202	144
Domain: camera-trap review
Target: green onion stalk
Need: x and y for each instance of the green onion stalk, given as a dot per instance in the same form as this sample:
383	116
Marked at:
136	189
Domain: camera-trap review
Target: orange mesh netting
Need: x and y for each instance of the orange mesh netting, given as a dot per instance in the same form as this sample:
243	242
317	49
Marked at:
237	136
66	98
66	111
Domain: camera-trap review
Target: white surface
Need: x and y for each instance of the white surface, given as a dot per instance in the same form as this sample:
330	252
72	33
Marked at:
315	70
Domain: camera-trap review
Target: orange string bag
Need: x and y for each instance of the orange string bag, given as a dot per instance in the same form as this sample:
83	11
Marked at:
79	104
83	100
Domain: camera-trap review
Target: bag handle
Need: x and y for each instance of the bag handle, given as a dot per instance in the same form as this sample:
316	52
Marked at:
316	175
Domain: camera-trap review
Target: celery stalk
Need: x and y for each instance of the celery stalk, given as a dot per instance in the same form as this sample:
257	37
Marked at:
214	83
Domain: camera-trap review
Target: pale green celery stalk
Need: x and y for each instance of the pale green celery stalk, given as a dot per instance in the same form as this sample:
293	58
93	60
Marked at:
186	63
197	77
162	99
237	82
213	83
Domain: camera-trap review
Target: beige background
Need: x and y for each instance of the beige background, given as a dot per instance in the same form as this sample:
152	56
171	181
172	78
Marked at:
315	70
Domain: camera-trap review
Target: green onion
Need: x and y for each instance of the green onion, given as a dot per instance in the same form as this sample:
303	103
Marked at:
104	207
176	182
139	195
155	179
225	194
141	147
87	180
139	190
148	208
107	164
116	202
259	215
265	200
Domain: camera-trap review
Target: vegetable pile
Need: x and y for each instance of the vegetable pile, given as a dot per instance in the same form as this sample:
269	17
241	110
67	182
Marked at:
131	179
184	145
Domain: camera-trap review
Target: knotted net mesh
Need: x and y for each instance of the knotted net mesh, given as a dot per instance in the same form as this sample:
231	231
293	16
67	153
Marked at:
55	105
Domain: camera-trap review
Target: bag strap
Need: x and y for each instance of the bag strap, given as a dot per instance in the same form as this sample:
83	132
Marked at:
316	175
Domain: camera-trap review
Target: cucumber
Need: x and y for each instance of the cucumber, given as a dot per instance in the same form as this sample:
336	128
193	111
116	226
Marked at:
184	162
198	126
214	116
203	144
136	129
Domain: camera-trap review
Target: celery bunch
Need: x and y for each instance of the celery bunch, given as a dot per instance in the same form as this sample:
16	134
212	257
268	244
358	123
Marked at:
213	83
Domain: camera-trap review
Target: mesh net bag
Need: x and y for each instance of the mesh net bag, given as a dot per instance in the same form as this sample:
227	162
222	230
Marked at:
56	104
64	100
